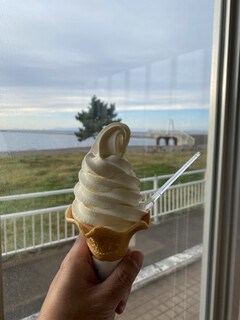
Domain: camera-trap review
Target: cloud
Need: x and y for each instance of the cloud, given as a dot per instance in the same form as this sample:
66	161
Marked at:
55	54
57	43
43	101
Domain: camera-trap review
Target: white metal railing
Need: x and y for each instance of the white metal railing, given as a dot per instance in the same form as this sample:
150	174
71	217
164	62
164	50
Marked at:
177	198
187	137
23	231
153	132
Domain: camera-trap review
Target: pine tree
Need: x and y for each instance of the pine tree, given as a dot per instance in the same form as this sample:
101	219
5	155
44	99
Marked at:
98	116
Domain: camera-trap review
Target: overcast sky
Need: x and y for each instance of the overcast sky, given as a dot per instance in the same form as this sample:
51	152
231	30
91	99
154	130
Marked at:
143	55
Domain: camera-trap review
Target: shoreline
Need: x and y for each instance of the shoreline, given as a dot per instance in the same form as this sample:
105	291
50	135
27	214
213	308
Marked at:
135	149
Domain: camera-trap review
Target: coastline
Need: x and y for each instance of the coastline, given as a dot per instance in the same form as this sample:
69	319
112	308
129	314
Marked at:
136	149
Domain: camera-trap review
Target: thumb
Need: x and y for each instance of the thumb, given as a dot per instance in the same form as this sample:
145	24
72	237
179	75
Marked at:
119	283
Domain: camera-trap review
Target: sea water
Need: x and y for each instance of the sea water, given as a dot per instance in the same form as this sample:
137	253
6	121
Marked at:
23	141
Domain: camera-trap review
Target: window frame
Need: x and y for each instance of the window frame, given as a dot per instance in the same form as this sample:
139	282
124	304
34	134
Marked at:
221	243
1	279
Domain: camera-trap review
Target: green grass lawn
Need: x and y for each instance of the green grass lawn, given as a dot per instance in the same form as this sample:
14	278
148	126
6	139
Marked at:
42	173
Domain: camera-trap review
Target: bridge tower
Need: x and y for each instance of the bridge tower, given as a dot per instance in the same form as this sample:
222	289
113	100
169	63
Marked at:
171	127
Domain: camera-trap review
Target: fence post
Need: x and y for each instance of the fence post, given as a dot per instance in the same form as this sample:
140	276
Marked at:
155	206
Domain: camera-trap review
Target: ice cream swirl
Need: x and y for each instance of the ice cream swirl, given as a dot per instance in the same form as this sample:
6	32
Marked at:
107	193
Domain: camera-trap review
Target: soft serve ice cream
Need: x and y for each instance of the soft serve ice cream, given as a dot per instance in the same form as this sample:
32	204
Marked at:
107	193
108	206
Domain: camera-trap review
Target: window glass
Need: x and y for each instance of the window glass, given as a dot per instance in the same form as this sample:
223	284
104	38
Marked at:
152	60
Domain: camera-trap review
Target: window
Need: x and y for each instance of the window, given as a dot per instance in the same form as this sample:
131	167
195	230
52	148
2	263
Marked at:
154	61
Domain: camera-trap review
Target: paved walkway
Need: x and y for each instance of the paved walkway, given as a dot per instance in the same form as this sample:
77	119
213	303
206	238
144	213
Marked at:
175	296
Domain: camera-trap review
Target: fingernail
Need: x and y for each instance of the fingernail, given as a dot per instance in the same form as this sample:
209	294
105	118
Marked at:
121	306
137	257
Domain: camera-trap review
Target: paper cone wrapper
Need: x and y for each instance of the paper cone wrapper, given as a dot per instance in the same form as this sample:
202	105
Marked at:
104	268
104	243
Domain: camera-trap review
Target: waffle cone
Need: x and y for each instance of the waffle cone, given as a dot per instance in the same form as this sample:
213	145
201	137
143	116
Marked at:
104	243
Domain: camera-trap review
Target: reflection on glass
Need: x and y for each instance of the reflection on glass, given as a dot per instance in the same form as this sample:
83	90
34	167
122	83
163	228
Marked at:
119	90
153	63
160	84
102	89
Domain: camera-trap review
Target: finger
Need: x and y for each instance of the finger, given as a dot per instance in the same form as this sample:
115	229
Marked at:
77	267
80	249
78	255
80	246
120	281
122	304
